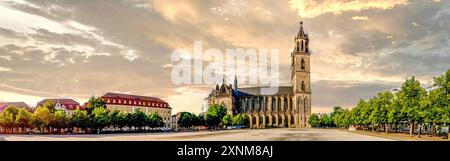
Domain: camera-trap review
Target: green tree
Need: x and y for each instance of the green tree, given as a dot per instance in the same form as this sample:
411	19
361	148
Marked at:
60	121
366	111
2	123
80	119
314	120
185	120
23	119
9	117
93	103
443	83
201	120
325	120
440	99
227	120
346	119
115	119
138	119
41	118
195	120
385	101
121	120
357	113
410	96
214	115
394	115
129	121
154	120
101	118
49	105
336	116
240	120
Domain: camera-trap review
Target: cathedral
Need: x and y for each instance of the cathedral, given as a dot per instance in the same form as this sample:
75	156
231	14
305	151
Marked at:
290	107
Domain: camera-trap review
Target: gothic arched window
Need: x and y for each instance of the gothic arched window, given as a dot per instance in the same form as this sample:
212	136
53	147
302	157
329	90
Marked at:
306	46
302	64
299	104
302	46
303	86
278	104
305	106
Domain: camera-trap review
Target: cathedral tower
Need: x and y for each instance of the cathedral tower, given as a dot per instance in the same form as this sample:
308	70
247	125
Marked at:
301	77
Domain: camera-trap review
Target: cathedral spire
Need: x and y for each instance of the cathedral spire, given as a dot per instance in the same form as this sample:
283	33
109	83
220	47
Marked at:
301	41
301	32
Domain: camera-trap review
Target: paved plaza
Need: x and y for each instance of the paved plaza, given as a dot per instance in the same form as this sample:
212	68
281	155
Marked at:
303	134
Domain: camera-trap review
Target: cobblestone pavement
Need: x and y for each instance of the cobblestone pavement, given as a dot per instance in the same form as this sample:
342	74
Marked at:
303	134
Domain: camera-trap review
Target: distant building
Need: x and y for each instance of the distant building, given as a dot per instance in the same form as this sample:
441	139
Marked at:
430	88
175	118
67	105
205	105
320	114
394	90
5	105
128	103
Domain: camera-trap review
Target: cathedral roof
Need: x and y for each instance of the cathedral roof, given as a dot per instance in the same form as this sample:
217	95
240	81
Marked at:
282	90
237	93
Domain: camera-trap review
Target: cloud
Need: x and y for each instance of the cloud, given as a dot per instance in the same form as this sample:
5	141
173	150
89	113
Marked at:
310	9
5	69
363	18
182	11
52	35
232	8
6	57
130	55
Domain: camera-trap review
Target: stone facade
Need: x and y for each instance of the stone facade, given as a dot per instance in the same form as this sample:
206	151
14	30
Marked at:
128	103
290	107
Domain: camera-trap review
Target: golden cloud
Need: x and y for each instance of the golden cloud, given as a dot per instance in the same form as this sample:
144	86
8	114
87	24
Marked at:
310	9
181	10
362	18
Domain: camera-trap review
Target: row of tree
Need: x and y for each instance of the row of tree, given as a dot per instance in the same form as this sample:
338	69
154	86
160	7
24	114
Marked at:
411	108
215	118
95	118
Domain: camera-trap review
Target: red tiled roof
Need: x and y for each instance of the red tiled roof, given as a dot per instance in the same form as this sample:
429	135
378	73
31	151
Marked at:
65	102
5	105
135	97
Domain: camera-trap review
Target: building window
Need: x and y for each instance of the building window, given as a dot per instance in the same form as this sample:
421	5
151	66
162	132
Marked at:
302	45
114	100
303	86
302	64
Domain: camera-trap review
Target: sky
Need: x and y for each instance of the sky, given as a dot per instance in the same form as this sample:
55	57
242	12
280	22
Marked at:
78	49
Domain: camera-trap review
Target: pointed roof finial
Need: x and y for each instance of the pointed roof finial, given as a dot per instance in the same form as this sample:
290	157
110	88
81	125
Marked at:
301	33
